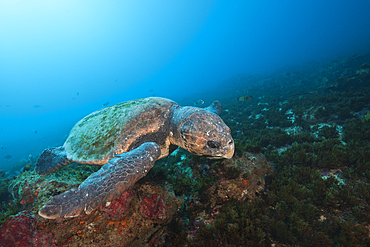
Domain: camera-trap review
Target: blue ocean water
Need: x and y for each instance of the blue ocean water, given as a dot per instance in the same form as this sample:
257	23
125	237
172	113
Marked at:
61	60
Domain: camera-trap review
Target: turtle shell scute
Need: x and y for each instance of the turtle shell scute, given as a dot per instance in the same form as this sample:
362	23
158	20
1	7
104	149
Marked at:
104	133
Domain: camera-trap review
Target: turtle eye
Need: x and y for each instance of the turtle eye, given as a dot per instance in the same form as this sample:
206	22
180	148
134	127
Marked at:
213	144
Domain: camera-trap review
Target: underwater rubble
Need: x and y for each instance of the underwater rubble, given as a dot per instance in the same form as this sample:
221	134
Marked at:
300	176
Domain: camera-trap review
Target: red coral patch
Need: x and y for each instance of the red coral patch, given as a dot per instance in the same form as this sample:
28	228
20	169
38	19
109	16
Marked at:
118	207
20	230
153	207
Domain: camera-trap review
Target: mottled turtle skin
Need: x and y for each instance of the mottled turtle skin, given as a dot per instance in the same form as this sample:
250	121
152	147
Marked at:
126	139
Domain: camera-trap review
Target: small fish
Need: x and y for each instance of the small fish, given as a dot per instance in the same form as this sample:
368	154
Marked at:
239	133
8	156
151	90
366	118
36	106
106	103
244	98
35	131
78	93
199	102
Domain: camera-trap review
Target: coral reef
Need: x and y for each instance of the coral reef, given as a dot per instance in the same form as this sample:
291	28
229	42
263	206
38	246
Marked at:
153	207
119	224
118	207
300	175
21	230
33	190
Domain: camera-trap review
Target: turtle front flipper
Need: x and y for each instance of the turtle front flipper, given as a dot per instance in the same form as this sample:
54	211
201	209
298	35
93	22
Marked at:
105	185
51	159
215	107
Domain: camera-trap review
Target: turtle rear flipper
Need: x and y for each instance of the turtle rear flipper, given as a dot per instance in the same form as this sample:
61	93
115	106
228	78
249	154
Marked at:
51	159
105	185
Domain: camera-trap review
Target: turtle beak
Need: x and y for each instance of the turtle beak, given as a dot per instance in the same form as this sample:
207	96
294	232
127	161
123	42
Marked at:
230	150
226	152
230	153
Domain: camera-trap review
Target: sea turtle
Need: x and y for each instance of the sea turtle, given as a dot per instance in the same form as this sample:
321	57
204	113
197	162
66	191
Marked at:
126	139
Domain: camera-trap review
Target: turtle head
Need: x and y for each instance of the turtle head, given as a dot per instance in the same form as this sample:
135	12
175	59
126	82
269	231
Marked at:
201	132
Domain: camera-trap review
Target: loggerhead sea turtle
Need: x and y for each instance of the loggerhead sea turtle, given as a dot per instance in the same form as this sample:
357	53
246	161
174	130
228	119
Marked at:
126	139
